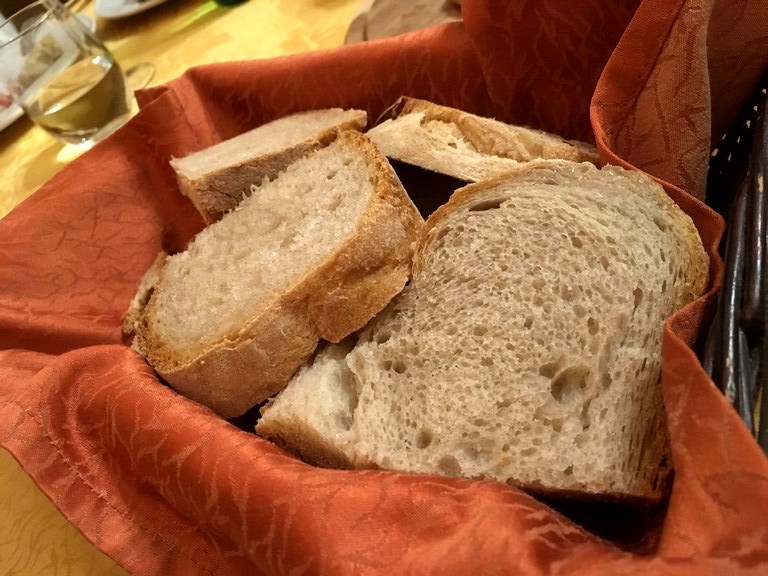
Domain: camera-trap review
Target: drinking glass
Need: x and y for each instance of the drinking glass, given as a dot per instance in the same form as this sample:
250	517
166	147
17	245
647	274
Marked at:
61	74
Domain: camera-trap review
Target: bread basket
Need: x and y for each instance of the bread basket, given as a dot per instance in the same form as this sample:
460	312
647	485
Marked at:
734	353
164	486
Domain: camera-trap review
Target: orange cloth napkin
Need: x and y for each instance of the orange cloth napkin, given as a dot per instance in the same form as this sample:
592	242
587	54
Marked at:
165	487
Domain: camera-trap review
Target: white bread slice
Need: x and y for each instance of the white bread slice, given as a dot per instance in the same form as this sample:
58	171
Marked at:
313	254
217	178
463	145
526	348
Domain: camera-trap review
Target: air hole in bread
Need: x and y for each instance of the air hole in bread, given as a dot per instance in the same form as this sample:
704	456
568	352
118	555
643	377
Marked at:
638	293
567	293
331	175
440	234
527	324
577	242
449	466
490	204
569	384
424	439
335	202
549	369
568	471
593	326
660	223
586	420
604	262
343	421
383	336
503	403
399	366
480	330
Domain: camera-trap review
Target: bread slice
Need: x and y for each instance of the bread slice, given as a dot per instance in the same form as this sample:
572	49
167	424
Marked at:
313	254
217	178
143	293
526	348
463	145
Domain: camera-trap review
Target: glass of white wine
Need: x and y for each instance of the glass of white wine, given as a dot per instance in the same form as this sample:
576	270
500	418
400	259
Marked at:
61	74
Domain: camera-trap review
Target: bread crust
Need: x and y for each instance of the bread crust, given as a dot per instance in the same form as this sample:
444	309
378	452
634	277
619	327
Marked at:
143	293
497	146
234	373
217	192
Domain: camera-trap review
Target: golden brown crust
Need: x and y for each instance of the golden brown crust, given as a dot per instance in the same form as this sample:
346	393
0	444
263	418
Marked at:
302	440
357	123
487	136
234	373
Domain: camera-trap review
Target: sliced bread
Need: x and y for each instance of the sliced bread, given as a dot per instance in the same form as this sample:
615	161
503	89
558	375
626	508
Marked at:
463	145
313	254
526	348
218	177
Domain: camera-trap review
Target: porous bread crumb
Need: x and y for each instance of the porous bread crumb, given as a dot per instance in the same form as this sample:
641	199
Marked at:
527	347
231	267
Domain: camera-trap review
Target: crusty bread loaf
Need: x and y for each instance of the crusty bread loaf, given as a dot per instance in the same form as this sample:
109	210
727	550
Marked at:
218	177
463	145
313	254
526	348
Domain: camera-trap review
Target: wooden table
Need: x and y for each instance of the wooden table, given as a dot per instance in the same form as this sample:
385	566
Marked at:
34	537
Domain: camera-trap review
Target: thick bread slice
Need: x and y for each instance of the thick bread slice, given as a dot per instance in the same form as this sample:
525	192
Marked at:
312	254
217	178
526	348
463	145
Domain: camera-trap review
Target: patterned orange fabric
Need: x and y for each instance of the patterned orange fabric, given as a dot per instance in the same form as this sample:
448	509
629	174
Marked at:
165	487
